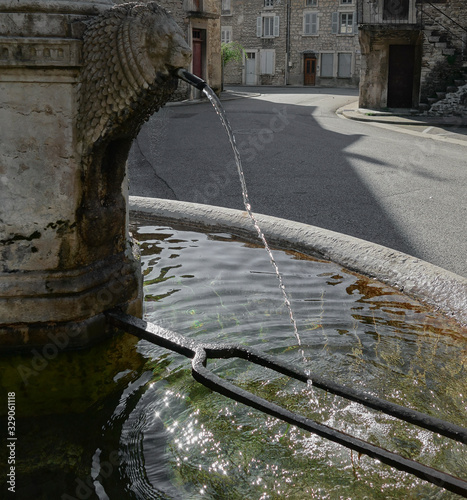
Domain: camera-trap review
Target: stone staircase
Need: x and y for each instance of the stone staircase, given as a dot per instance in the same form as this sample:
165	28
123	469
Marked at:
453	104
446	95
446	78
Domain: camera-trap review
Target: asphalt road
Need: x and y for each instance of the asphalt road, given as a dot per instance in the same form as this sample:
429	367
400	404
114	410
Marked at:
401	189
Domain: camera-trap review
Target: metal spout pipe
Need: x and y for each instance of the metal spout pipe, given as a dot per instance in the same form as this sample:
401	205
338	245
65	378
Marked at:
193	80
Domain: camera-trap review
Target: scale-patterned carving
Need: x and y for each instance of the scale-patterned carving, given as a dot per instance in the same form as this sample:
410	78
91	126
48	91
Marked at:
129	56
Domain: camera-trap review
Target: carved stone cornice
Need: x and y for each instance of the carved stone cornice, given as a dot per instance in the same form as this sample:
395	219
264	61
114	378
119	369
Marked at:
39	52
84	7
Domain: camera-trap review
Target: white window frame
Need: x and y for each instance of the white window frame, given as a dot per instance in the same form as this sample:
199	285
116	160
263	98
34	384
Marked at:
226	34
350	67
346	2
268	26
337	23
260	26
312	24
311	3
267	62
347	27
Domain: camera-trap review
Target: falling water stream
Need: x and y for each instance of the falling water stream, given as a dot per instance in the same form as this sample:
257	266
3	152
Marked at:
144	429
246	201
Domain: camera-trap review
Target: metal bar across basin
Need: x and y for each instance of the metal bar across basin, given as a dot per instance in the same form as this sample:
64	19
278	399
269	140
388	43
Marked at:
201	352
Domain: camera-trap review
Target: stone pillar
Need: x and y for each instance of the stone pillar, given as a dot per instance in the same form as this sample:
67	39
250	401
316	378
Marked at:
374	70
65	252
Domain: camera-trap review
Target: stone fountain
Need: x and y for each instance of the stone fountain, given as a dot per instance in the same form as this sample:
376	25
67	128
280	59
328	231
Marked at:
77	81
78	78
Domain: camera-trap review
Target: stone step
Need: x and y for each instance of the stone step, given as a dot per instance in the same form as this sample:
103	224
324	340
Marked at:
423	106
432	100
451	88
459	83
441	95
433	39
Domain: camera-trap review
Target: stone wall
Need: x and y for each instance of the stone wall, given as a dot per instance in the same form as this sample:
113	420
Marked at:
51	273
454	104
242	24
325	41
437	31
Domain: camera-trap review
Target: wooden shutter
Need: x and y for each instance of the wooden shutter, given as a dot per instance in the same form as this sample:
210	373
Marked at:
311	23
262	62
267	59
335	23
259	26
276	25
314	23
307	25
344	65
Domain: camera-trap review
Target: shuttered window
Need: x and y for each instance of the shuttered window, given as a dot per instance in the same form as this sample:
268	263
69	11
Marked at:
344	65
267	62
310	23
327	65
267	26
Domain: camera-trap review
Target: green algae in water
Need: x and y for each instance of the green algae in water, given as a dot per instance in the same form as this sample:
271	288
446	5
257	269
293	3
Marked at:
62	401
353	330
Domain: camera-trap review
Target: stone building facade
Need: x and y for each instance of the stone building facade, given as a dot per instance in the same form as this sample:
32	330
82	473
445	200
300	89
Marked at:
413	51
296	42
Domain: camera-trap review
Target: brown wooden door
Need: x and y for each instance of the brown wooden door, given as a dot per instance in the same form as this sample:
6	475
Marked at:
401	76
197	42
310	70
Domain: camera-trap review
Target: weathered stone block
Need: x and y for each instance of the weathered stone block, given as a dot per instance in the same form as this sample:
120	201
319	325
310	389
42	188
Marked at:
73	106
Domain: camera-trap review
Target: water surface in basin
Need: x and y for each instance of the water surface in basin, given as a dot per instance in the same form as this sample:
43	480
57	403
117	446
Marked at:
213	287
155	433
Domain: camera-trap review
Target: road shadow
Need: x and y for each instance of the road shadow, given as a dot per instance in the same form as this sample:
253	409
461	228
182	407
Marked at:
294	167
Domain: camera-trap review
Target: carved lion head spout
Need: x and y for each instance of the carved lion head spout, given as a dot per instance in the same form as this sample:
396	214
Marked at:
130	55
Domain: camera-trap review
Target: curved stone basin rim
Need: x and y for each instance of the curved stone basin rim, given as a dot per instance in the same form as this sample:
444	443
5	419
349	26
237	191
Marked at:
440	289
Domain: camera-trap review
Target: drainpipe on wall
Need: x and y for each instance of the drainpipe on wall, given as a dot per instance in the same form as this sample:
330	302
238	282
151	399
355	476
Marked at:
287	45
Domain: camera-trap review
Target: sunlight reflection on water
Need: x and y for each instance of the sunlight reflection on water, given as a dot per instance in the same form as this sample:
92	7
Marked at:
197	444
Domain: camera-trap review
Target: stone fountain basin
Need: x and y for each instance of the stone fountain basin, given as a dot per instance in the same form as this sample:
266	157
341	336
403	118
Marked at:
438	288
